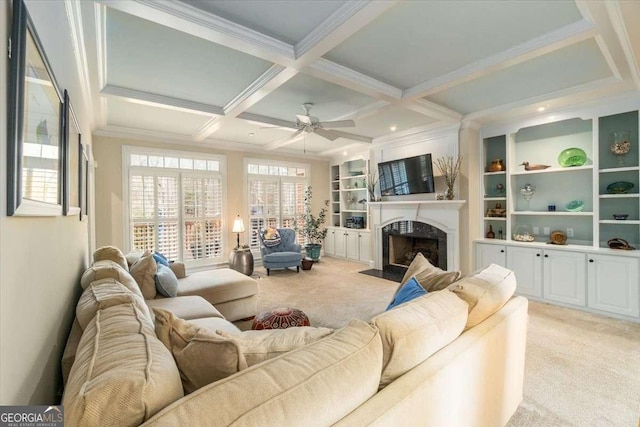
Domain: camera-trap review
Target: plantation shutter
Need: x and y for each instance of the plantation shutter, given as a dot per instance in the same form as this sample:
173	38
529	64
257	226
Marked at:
154	213
202	218
264	207
292	204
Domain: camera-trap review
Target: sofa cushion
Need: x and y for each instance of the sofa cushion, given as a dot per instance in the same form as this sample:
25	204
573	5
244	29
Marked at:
258	346
220	285
166	281
202	356
410	290
430	277
111	253
109	270
278	257
133	256
122	373
192	307
315	385
214	324
144	273
415	330
106	293
486	291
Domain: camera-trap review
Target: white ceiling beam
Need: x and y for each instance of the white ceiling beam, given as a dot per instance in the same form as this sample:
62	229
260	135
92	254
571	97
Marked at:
536	47
350	18
270	121
191	20
283	142
340	149
615	15
434	110
210	127
162	101
352	136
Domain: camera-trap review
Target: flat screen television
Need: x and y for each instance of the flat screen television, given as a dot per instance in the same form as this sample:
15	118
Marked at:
413	175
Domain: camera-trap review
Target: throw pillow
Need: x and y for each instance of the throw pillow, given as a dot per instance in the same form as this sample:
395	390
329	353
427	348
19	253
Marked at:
144	273
161	259
166	281
430	277
271	237
258	346
486	291
414	331
132	257
408	291
202	356
111	253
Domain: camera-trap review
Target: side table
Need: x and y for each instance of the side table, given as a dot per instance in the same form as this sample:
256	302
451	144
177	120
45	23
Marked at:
241	260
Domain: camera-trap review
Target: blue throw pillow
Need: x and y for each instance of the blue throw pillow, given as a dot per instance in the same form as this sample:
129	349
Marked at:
166	281
409	291
161	259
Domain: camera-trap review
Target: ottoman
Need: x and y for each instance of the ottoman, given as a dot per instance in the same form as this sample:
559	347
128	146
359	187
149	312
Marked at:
280	318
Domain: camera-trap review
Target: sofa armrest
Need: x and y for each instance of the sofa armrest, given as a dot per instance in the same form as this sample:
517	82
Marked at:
178	269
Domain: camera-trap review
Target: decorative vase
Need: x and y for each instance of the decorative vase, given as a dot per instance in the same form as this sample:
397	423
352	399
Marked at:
490	234
572	157
496	166
621	145
313	251
449	194
307	263
527	193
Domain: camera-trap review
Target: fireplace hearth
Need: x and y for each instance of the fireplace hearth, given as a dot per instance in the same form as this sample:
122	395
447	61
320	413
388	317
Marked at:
403	240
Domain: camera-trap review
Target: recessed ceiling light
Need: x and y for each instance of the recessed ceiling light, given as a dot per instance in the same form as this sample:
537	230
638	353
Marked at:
393	128
344	153
541	109
252	134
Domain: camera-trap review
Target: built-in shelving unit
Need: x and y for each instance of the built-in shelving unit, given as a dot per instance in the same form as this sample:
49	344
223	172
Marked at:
349	193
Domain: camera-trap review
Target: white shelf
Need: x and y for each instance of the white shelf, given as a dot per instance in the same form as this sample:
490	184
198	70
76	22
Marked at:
555	170
355	210
337	181
495	199
620	196
623	169
556	213
354	189
354	177
495	173
494	218
620	222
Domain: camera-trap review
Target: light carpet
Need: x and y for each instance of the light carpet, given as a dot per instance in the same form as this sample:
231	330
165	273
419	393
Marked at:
581	369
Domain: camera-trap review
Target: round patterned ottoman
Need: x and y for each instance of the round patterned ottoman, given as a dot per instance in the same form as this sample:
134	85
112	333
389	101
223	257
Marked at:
280	318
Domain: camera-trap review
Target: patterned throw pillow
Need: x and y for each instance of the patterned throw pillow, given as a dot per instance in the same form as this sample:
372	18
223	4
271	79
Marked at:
271	237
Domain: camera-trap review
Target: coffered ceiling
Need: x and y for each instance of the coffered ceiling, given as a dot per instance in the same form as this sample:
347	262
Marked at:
234	74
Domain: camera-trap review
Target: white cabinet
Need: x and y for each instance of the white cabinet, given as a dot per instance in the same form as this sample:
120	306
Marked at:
613	284
526	263
364	246
351	244
353	250
490	254
564	276
329	242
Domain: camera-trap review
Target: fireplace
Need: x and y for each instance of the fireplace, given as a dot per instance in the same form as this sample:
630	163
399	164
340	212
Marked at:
403	240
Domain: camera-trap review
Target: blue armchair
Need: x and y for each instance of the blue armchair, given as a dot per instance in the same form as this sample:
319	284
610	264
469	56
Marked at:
284	255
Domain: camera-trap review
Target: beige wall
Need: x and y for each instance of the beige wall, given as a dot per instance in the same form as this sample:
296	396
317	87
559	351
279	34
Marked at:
470	188
41	259
110	218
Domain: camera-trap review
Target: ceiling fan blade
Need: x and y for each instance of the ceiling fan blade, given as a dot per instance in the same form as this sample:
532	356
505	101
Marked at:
352	136
281	142
305	119
326	134
338	124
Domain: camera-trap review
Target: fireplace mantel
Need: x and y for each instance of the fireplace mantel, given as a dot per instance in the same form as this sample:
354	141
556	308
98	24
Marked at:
443	214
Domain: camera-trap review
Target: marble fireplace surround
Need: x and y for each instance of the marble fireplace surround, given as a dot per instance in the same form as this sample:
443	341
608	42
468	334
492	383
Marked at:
443	214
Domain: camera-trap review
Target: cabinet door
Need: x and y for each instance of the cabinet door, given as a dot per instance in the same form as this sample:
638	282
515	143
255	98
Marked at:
490	254
352	245
340	243
565	277
329	242
365	246
526	263
613	284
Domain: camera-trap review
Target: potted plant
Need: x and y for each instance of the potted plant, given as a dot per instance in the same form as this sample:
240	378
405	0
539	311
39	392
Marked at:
309	226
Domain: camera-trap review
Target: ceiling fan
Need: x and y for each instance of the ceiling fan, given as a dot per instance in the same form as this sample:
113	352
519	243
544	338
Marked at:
310	124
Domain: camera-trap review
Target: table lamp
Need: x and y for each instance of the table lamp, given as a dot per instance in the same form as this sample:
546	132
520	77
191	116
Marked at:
238	227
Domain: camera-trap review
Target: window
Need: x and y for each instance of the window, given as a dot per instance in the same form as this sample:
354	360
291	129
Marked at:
275	195
175	205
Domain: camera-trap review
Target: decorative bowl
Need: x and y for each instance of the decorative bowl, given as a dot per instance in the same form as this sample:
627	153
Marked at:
575	206
620	187
620	217
572	157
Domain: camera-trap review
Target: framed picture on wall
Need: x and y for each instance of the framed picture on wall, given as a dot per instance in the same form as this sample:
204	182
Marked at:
35	153
73	160
83	189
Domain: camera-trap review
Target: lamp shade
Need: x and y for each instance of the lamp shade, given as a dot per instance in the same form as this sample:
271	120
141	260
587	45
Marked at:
238	225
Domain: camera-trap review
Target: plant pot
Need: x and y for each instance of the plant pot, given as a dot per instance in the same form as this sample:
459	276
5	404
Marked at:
313	251
307	263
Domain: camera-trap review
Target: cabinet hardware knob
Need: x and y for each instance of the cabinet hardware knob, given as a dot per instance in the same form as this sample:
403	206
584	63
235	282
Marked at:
590	260
546	256
501	251
537	254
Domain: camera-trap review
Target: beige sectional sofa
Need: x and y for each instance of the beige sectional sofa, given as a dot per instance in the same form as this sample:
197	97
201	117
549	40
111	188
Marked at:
453	357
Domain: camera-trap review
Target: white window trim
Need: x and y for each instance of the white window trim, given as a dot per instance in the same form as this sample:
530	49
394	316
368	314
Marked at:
128	150
245	182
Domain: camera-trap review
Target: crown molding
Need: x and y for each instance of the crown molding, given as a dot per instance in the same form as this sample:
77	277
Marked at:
345	148
470	124
209	128
431	131
550	42
343	76
256	85
162	101
434	110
